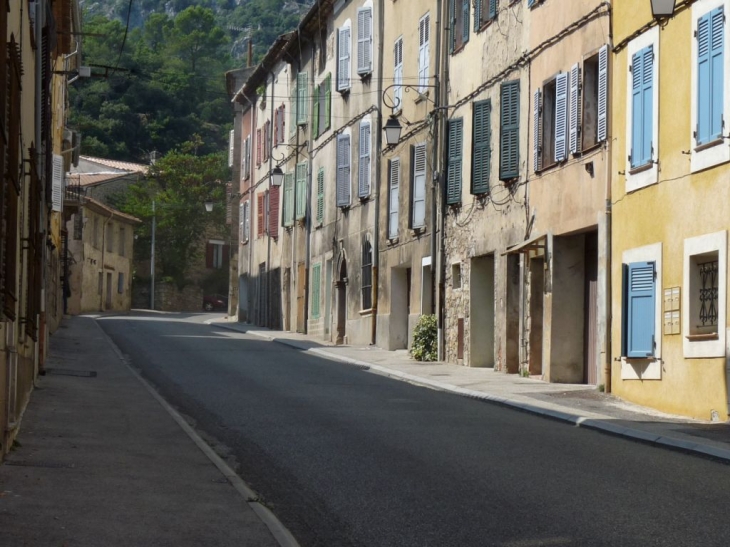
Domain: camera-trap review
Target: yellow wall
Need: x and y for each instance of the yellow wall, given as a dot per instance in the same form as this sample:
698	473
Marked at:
680	206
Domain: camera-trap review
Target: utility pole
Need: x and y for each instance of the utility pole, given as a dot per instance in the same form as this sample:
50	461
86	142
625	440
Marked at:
152	259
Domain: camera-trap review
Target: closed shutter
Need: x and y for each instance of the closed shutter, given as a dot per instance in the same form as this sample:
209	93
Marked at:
398	73
393	197
57	194
452	20
247	221
424	51
258	147
574	133
328	101
603	94
466	5
230	147
561	116
453	182
642	73
343	170
477	15
302	98
509	139
260	215
418	218
531	3
640	312
293	110
315	114
364	40
274	212
316	289
320	195
364	163
710	61
288	199
537	131
343	64
241	222
301	190
492	9
482	149
282	122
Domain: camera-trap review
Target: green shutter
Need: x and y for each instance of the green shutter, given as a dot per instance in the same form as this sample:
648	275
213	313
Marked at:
453	181
288	216
509	154
301	190
293	111
328	101
320	195
302	98
315	114
481	150
316	277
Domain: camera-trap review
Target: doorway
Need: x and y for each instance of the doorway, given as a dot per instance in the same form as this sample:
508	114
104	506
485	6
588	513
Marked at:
482	323
590	312
399	308
537	286
341	287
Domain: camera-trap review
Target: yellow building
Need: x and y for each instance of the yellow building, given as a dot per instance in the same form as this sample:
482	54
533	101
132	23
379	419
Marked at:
671	207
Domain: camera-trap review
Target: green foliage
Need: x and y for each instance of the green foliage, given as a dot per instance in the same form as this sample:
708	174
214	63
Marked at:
179	184
425	339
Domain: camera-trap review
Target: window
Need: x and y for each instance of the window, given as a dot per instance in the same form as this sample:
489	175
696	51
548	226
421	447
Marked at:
279	123
459	16
246	158
398	73
343	170
393	197
343	59
550	114
456	275
364	163
509	138
484	12
120	283
241	222
109	243
288	216
246	221
316	289
301	190
267	140
302	98
418	195
481	147
424	51
367	275
260	214
122	242
453	174
639	307
320	196
589	124
642	107
231	146
215	255
273	218
322	106
364	41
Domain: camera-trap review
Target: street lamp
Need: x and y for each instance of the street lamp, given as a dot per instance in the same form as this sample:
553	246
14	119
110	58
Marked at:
277	176
392	131
662	9
209	206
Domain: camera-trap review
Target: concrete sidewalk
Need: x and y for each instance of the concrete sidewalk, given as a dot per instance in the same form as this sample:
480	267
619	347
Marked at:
100	461
581	405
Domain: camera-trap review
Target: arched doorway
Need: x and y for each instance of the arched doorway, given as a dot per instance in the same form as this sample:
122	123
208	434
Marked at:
341	290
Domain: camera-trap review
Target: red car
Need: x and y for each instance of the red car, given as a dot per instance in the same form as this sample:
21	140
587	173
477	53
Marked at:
215	302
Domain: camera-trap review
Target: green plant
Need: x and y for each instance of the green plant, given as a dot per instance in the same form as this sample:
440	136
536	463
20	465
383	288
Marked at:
602	388
425	339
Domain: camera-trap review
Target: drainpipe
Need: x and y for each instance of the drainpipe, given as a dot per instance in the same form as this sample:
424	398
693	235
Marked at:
308	203
607	359
437	168
442	197
103	252
252	126
269	144
42	216
378	165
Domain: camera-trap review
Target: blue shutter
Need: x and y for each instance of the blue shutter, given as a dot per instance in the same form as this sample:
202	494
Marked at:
477	15
481	149
453	182
465	21
642	75
717	60
492	9
531	3
639	312
710	69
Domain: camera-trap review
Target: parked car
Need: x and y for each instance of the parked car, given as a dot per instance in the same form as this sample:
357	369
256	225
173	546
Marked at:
215	302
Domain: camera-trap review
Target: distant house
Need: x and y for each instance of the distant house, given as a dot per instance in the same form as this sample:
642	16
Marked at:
102	179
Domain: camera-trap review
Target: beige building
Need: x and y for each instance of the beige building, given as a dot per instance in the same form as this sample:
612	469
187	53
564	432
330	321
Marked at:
100	247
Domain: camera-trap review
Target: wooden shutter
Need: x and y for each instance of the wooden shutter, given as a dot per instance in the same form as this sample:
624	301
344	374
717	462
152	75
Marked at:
537	131
258	147
316	289
418	202
492	9
364	40
364	163
274	212
393	197
640	312
561	116
260	214
477	15
288	199
320	195
328	101
315	114
301	190
57	193
343	170
424	51
710	65
575	114
343	64
481	148
602	133
302	98
509	157
466	5
454	170
398	72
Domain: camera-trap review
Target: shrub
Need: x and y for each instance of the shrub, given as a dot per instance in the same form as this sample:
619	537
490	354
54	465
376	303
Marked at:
425	339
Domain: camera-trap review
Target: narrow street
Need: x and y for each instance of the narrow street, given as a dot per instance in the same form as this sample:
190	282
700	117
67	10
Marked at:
344	456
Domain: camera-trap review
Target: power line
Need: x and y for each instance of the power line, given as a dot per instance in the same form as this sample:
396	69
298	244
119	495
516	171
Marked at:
124	40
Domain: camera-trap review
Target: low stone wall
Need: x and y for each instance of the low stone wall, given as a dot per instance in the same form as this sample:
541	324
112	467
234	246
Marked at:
168	297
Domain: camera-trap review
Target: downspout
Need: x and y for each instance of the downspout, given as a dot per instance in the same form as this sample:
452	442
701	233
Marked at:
308	203
249	163
269	144
437	168
42	216
608	349
442	197
378	165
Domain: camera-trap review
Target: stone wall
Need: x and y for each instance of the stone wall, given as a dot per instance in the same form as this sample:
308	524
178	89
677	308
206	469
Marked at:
168	297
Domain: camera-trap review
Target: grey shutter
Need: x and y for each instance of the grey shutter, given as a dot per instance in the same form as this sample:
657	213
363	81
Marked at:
343	170
302	98
398	73
453	180
574	109
320	195
288	199
537	134
364	40
231	141
452	21
418	206
477	15
393	197
364	163
57	193
603	94
424	51
561	113
343	64
240	221
301	190
481	149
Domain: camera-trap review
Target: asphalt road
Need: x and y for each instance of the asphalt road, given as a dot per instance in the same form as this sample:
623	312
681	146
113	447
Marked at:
345	457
